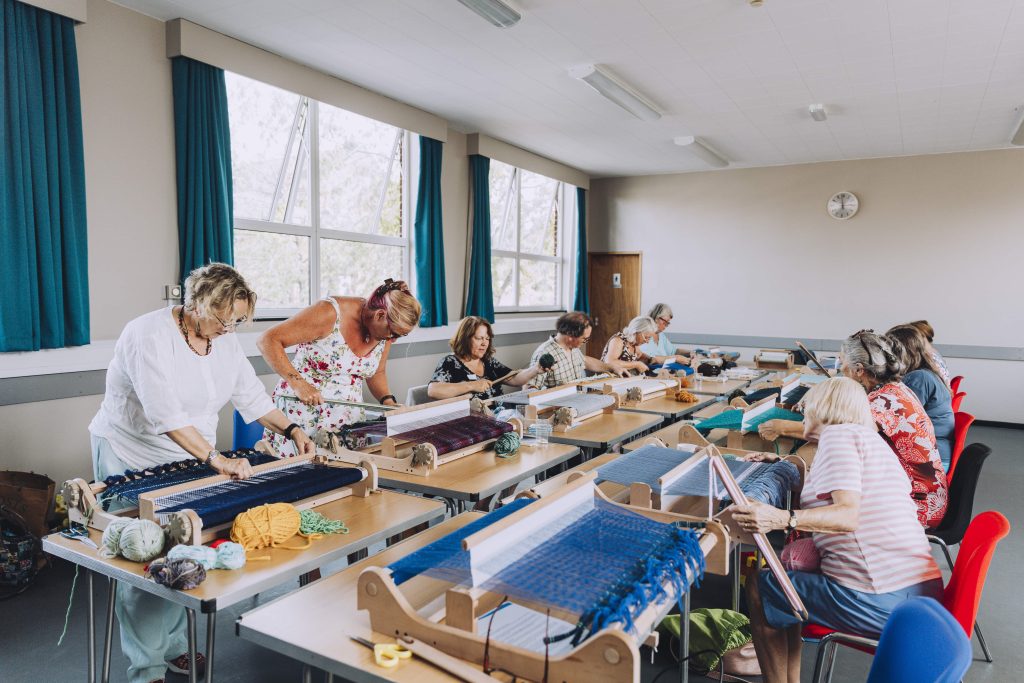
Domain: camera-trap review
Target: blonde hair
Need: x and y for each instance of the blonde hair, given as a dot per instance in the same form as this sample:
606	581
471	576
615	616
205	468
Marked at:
397	302
216	287
463	338
926	329
837	401
639	324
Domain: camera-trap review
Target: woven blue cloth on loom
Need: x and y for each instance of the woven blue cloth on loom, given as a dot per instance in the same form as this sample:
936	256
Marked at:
766	482
733	419
223	502
444	558
795	396
128	486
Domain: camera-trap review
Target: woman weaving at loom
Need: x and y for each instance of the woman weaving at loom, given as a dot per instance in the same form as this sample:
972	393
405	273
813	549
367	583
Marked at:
660	348
471	368
872	361
572	330
171	373
341	341
625	346
873	554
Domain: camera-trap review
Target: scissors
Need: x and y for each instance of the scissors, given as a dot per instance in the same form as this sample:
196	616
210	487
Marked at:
77	532
384	654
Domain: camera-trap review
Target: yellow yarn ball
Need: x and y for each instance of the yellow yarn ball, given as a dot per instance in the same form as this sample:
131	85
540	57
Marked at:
266	526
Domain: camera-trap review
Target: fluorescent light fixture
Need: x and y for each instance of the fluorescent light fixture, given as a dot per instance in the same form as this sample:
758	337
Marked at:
701	151
499	13
615	90
1018	137
817	112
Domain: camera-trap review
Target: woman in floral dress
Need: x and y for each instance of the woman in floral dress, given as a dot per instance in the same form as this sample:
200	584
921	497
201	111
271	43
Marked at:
340	342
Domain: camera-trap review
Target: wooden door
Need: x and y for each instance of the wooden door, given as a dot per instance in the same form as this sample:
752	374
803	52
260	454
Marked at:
614	294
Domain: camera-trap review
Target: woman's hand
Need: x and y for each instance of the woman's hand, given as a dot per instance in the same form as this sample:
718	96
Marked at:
619	368
761	457
236	468
759	518
303	444
771	429
639	365
480	386
306	392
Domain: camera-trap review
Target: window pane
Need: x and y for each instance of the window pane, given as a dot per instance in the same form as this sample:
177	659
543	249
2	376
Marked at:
502	270
539	224
360	173
503	207
538	283
276	266
355	268
270	166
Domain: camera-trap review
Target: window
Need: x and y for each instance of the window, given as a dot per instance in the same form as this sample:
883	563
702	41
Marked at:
527	214
321	197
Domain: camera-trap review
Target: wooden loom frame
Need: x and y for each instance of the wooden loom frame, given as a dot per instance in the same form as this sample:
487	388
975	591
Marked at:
395	455
609	656
534	411
608	386
771	364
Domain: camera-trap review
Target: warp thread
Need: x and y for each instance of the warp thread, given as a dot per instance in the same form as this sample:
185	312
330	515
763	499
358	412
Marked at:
312	524
183	574
224	556
507	445
267	526
138	540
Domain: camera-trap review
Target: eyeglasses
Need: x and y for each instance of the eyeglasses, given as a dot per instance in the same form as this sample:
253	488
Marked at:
231	325
665	321
392	335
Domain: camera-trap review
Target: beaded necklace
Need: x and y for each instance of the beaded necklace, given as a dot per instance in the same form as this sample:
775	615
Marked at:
184	331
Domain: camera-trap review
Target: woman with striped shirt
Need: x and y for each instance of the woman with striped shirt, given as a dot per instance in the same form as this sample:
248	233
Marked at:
856	504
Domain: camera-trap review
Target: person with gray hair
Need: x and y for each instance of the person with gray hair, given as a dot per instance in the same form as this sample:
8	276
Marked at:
624	346
659	346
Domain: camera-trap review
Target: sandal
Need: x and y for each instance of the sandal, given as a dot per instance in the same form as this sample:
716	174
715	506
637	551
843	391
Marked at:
179	664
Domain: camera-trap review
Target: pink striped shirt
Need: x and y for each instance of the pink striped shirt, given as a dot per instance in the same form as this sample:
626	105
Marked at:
888	551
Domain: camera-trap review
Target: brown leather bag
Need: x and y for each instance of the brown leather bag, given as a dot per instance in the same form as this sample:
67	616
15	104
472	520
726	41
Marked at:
31	496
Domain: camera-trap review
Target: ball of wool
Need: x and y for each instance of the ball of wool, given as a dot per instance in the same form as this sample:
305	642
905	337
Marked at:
547	361
138	540
183	574
507	444
801	555
226	555
265	526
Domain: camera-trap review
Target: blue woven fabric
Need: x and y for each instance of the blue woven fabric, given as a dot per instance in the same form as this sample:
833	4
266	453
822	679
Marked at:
733	419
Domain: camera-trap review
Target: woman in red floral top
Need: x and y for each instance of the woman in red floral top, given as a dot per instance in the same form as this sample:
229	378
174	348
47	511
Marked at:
871	359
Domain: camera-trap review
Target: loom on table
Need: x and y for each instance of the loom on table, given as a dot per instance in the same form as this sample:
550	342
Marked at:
419	439
565	406
634	390
742	420
773	359
789	388
595	576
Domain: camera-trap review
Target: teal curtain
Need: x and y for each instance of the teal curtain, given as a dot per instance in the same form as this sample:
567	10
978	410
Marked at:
582	300
480	297
429	237
44	279
202	146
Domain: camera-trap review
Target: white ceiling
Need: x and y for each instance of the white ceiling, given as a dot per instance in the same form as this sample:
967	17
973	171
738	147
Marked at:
898	77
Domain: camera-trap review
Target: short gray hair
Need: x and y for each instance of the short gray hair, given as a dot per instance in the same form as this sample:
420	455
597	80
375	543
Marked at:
879	355
639	324
660	311
216	287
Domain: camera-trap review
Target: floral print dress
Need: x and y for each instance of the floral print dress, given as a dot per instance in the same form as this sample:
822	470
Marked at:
337	372
909	430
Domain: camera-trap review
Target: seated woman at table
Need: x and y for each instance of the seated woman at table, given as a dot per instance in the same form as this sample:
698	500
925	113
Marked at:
856	504
172	371
929	334
624	346
471	368
659	346
924	378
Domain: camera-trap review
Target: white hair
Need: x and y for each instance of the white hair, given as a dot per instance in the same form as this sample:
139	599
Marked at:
639	324
660	311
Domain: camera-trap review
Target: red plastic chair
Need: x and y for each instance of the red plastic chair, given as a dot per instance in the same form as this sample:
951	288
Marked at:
958	398
961	596
961	423
954	384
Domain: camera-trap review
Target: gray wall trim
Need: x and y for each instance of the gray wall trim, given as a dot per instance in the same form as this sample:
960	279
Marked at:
1009	353
15	390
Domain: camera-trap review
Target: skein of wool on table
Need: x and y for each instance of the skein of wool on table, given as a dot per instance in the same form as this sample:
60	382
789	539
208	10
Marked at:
314	525
138	540
507	445
181	574
225	556
267	526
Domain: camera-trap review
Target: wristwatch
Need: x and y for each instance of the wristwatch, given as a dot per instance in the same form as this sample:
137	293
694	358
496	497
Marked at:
212	455
791	525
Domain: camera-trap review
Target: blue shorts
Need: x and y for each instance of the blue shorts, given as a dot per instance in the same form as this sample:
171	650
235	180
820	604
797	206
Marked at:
835	606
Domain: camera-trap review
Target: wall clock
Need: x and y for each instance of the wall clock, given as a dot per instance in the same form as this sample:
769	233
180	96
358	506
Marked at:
842	205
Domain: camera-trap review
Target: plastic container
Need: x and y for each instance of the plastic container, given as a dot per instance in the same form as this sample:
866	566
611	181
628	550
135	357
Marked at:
541	431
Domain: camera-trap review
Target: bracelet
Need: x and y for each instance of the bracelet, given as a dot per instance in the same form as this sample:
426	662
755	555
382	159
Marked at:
212	455
289	429
386	397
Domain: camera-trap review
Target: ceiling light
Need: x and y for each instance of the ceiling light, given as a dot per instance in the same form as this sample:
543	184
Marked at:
817	112
701	151
1018	137
615	90
499	13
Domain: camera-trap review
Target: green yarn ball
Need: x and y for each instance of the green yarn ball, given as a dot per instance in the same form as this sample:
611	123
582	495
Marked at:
507	444
138	540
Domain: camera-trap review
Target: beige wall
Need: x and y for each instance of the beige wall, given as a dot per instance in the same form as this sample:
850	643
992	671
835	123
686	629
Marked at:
752	252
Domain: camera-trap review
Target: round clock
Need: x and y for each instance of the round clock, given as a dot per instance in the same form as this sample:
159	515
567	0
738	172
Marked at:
842	205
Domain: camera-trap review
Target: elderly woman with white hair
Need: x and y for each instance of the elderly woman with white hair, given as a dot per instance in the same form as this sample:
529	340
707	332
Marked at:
659	345
855	502
624	346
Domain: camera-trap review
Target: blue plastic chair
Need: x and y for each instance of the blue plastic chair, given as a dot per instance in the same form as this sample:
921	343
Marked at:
246	434
921	641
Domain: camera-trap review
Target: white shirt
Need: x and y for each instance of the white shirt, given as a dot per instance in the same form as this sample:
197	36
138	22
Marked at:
156	384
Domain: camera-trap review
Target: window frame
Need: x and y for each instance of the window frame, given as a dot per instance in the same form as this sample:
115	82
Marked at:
315	233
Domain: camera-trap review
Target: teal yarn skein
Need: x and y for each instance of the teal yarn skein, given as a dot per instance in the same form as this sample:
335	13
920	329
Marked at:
507	445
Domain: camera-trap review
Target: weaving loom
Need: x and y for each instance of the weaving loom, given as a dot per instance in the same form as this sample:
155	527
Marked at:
634	390
565	406
597	576
419	439
773	359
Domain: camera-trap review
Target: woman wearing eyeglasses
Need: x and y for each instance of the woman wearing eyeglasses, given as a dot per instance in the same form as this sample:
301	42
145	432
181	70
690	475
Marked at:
660	348
172	371
341	341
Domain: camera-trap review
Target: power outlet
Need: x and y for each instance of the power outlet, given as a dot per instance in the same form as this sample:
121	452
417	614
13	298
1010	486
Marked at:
172	292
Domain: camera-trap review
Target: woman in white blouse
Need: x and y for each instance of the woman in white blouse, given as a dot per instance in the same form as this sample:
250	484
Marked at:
172	372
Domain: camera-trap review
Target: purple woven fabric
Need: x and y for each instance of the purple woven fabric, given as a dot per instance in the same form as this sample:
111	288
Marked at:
458	433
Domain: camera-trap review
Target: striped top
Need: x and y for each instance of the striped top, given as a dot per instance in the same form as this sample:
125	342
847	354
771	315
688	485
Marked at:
888	551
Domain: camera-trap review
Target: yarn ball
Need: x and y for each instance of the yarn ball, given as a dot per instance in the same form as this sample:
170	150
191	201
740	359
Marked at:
266	526
801	555
507	444
226	555
315	524
138	540
547	361
684	396
181	574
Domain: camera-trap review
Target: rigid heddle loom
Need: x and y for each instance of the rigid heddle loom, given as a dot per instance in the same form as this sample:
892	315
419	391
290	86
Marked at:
634	390
565	406
419	439
597	577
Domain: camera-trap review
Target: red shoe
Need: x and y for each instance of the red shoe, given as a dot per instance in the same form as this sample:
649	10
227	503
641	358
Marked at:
179	664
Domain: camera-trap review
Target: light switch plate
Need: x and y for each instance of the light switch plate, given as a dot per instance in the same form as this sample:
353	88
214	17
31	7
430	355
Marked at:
617	280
